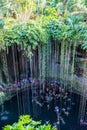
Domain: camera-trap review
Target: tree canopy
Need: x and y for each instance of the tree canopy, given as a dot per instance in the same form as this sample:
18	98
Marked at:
33	22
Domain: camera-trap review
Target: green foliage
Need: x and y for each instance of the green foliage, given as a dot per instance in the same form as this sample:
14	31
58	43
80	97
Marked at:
69	29
1	24
8	127
84	45
54	29
25	122
57	19
54	3
27	34
2	46
86	3
74	5
50	11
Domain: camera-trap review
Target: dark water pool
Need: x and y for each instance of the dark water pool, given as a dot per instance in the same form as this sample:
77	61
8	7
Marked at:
11	112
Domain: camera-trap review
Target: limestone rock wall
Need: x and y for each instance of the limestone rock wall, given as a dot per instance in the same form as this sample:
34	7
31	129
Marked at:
3	68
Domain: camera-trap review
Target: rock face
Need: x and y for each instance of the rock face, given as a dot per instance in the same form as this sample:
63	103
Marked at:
10	65
13	64
3	68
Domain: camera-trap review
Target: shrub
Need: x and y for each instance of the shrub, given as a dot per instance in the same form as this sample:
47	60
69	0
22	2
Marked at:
25	122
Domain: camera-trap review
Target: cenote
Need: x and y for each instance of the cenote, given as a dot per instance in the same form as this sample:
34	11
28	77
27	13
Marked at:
43	65
22	104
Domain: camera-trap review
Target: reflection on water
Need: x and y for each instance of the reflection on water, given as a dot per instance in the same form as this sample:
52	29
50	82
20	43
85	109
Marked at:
4	115
39	112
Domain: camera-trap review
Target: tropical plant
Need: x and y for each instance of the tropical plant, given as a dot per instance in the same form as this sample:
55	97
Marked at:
28	34
68	29
25	122
59	21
